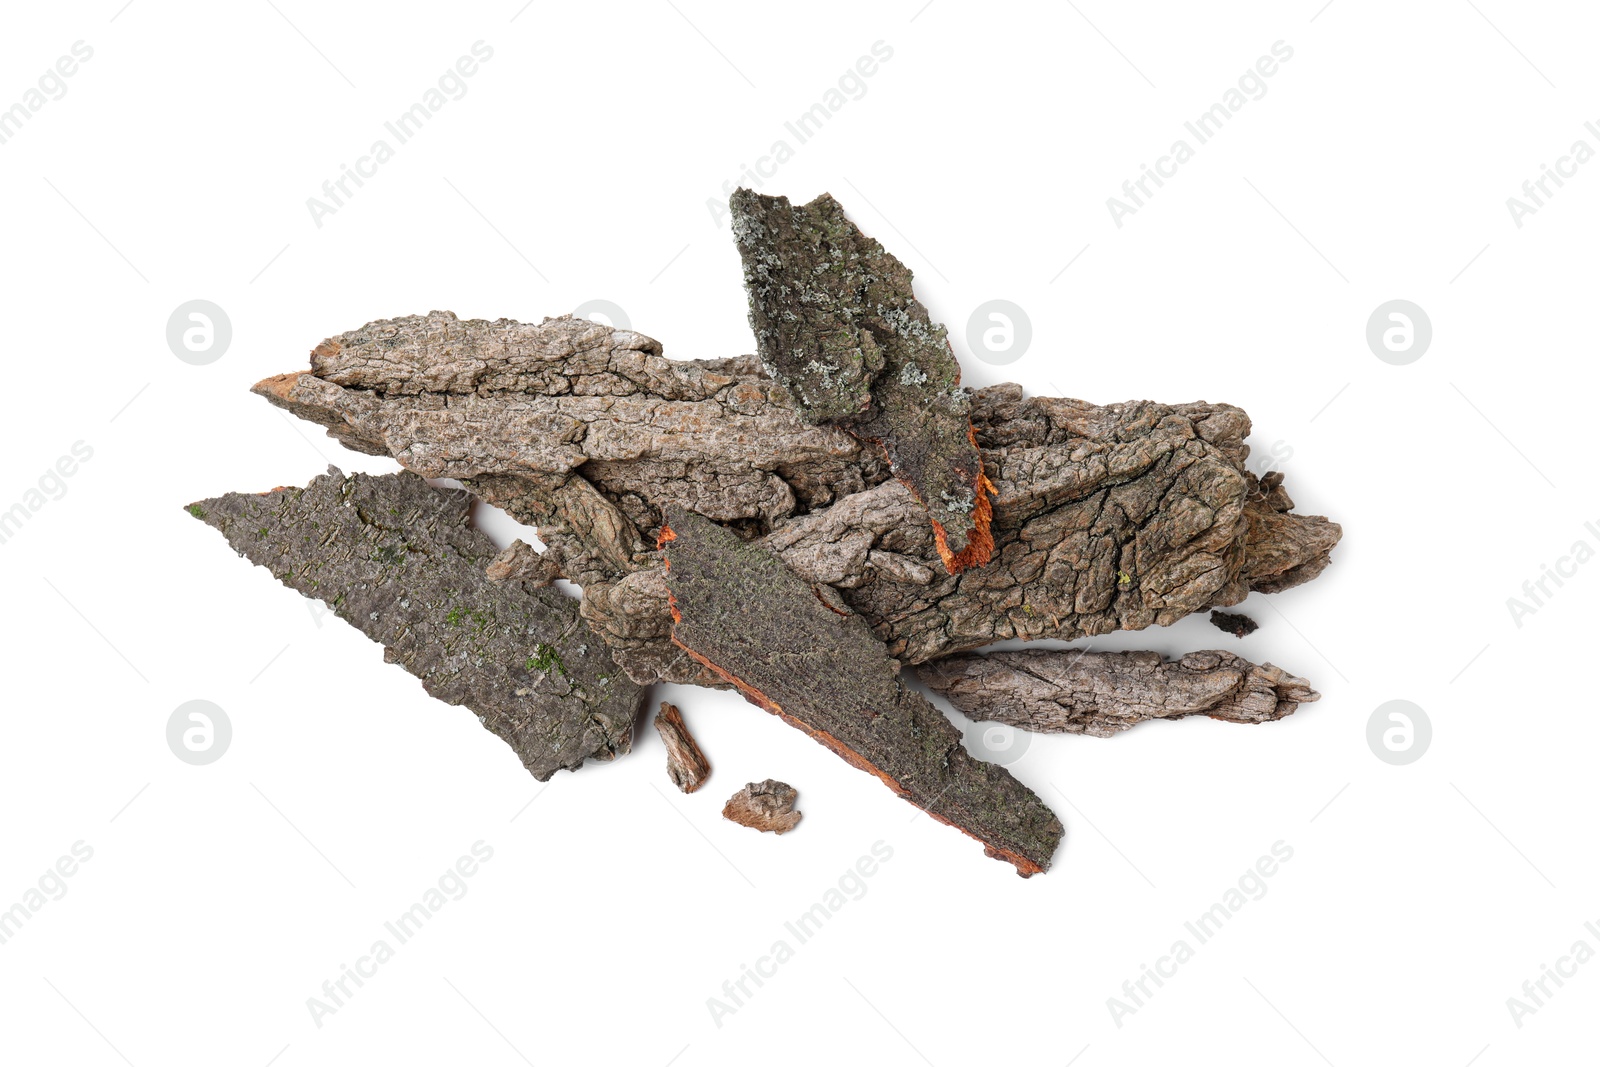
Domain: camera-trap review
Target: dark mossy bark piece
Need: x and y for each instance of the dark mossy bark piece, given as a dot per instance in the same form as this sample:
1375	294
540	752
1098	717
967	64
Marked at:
1102	693
739	610
766	806
838	325
400	561
1233	623
687	766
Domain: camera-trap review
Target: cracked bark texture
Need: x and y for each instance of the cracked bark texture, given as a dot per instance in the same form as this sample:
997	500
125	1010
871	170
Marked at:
687	766
1106	517
766	806
743	613
838	325
1102	693
399	560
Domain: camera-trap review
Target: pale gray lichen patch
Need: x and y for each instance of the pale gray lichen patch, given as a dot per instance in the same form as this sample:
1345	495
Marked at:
960	502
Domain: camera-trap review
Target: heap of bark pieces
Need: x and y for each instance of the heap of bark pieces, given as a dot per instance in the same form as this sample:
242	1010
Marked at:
833	509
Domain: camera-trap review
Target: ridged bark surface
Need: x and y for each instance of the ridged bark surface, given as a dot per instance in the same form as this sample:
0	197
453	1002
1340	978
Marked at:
1103	693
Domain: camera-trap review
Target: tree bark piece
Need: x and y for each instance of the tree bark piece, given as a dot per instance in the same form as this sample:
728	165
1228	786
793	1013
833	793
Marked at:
1102	693
400	561
687	766
746	616
766	806
1232	623
838	326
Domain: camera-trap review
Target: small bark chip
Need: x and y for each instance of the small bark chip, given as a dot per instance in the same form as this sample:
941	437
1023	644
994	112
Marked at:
687	766
766	806
1232	623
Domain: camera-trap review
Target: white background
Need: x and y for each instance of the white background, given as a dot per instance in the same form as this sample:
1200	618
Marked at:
578	166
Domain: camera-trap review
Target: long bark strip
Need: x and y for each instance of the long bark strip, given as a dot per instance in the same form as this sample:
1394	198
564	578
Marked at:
838	326
739	610
400	561
1102	693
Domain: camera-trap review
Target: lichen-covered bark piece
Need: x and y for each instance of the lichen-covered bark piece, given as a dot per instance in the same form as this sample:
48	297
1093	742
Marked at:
741	612
838	325
687	766
400	561
1101	693
766	806
1233	623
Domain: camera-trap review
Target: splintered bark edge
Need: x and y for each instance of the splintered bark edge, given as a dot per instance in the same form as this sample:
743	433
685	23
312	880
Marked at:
980	538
